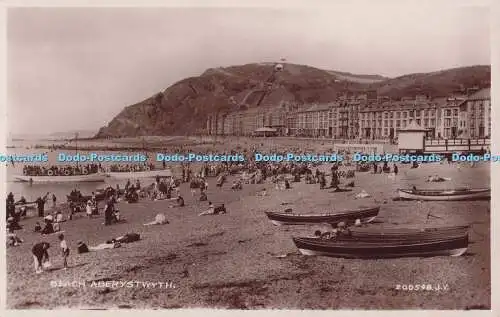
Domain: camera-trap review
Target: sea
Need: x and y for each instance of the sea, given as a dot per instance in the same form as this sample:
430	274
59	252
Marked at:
32	191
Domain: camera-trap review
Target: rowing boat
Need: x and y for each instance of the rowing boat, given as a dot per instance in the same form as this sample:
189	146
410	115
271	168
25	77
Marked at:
365	215
444	194
96	177
451	246
141	174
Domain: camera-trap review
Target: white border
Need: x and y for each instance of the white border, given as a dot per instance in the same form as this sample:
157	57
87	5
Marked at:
299	4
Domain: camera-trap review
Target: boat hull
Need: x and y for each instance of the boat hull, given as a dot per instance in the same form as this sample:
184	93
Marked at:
62	179
143	174
453	246
365	215
444	195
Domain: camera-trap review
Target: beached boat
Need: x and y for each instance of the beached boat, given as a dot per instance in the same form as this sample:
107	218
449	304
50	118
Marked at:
97	177
141	174
444	194
451	246
365	215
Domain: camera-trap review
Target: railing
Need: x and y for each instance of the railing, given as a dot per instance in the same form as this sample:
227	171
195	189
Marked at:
455	145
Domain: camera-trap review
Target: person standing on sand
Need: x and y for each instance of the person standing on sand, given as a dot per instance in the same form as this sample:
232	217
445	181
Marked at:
40	255
64	250
54	200
395	168
108	211
41	205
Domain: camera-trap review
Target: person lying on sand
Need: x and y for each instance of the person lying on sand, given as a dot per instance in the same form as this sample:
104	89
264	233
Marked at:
126	238
214	210
436	178
13	240
160	219
111	245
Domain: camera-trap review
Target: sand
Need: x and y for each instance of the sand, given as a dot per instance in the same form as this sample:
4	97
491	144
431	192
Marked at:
240	260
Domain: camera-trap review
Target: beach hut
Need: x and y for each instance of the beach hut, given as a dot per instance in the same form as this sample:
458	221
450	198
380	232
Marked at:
411	139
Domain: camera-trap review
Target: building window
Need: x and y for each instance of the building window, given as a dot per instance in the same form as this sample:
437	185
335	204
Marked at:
426	122
398	115
455	112
448	112
433	122
418	113
390	123
432	112
447	122
405	114
404	123
426	113
391	114
398	124
418	121
412	114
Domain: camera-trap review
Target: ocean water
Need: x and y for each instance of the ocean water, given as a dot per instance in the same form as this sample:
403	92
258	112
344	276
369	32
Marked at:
33	191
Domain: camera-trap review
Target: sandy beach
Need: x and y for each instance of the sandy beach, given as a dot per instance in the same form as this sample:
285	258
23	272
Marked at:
240	260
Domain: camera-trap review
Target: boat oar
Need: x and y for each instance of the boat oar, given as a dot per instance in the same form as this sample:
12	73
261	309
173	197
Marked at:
431	215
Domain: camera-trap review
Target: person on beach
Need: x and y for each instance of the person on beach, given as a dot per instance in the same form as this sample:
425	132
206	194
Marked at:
108	211
113	244
65	251
40	255
12	239
287	184
88	209
59	217
49	227
209	211
38	227
395	169
335	181
192	186
343	229
40	205
160	219
180	201
203	196
54	200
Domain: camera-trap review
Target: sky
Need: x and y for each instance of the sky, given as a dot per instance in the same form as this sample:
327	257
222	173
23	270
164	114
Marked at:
76	68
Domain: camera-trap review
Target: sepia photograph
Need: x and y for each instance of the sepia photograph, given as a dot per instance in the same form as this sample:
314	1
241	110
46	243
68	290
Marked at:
329	157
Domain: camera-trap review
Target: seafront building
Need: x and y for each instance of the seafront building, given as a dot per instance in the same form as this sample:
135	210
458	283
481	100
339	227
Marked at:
364	116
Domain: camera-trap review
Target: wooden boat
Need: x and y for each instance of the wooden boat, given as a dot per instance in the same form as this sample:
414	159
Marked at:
97	177
444	194
142	174
451	246
365	215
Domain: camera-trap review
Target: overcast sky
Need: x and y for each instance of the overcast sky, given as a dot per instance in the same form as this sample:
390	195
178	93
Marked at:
76	68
